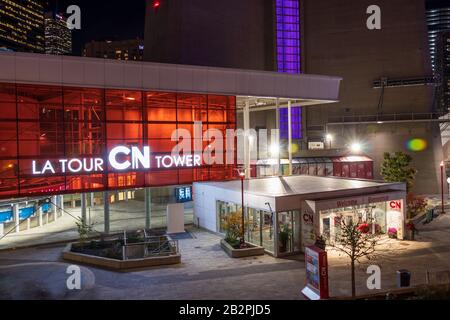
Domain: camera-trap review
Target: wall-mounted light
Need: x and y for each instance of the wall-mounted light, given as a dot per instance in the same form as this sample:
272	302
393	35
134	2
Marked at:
356	147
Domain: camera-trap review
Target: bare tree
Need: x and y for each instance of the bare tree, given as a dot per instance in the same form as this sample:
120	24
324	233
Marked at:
356	241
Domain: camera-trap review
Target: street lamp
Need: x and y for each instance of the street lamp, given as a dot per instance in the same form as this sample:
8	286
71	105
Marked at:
442	187
241	171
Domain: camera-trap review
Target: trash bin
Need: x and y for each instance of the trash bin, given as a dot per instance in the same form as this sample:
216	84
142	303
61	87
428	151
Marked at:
403	278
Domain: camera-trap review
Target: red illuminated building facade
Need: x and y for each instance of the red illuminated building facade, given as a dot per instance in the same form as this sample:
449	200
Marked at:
41	122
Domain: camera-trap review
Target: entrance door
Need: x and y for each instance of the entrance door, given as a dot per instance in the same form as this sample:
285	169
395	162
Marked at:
260	229
288	232
267	236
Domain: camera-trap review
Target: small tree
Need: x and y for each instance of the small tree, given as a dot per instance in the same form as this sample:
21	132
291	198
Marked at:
84	229
233	229
396	168
356	242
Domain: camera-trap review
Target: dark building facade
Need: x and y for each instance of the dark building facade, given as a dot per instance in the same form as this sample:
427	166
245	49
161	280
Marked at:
235	33
119	49
22	25
338	42
330	37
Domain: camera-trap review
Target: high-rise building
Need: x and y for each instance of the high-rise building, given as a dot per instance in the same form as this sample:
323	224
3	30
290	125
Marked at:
438	21
58	37
22	25
119	50
443	70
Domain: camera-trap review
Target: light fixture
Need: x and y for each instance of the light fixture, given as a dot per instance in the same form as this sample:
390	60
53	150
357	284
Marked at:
329	137
274	150
356	147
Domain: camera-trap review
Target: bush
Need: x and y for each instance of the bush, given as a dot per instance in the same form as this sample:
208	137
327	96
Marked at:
232	226
415	205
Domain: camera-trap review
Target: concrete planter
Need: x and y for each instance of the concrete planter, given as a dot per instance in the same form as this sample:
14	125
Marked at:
115	264
241	253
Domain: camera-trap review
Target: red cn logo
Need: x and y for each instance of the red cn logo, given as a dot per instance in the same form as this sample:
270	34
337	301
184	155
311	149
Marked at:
395	205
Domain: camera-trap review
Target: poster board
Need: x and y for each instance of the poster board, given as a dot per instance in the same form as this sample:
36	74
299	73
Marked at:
316	264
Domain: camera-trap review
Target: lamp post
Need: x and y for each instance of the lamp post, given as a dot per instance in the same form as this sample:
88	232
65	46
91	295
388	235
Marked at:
442	186
241	172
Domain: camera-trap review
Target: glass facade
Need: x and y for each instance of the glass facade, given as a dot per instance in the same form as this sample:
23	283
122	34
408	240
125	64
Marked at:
260	227
375	215
50	123
296	123
288	36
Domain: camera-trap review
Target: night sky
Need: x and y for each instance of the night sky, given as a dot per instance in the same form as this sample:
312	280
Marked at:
102	20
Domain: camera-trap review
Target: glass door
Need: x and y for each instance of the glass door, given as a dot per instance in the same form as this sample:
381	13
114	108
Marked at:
288	232
267	236
259	229
254	230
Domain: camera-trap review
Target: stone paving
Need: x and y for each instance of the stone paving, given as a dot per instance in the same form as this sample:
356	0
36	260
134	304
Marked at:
206	272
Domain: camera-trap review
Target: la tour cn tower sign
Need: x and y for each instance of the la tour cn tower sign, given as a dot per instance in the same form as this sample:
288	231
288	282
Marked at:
120	158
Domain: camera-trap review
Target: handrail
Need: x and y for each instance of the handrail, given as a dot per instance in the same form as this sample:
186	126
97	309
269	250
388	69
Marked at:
160	248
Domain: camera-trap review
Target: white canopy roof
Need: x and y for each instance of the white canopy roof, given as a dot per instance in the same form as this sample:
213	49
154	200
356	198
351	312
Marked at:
311	187
104	73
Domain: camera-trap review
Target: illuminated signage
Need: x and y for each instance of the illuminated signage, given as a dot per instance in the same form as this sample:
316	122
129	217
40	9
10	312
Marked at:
183	194
120	158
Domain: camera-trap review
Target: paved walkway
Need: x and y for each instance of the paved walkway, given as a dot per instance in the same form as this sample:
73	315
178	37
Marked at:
206	272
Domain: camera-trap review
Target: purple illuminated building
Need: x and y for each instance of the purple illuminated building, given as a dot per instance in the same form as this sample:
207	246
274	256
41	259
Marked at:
288	36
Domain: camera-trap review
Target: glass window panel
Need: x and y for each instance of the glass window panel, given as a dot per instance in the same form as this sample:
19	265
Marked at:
191	101
7	92
124	98
42	185
161	131
162	114
83	96
161	145
160	100
124	131
39	94
161	178
8	110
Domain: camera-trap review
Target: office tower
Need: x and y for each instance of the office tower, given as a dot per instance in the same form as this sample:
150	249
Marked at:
22	25
438	21
58	37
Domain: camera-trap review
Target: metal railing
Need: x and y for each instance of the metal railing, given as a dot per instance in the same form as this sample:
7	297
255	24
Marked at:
151	247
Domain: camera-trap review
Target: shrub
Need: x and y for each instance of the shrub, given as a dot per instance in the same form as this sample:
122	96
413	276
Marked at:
415	205
232	226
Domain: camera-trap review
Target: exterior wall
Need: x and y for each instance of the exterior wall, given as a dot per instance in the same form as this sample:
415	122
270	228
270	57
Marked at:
338	42
234	33
205	203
